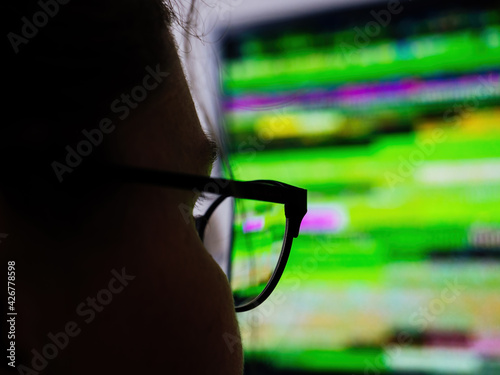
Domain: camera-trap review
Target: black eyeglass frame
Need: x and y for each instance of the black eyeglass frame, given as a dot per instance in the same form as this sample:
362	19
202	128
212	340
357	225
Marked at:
294	199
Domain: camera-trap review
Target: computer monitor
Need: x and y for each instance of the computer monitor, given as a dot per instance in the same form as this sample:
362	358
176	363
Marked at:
389	114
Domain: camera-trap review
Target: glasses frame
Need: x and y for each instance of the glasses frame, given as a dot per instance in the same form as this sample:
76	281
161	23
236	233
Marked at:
294	199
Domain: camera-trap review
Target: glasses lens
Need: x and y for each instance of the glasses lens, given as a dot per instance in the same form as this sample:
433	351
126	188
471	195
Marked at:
245	237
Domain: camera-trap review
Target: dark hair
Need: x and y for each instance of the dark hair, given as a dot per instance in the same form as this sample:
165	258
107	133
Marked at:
64	62
84	55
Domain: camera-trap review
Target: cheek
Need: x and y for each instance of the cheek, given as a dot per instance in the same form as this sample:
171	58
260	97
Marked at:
212	318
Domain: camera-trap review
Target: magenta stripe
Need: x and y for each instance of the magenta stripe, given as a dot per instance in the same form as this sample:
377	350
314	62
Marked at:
360	93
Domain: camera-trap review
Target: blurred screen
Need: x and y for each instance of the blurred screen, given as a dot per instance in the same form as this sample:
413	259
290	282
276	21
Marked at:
389	114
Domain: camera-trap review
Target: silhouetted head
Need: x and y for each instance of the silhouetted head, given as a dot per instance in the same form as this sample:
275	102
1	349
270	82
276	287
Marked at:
100	81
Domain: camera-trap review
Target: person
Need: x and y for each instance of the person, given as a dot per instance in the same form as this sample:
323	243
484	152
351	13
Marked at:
108	277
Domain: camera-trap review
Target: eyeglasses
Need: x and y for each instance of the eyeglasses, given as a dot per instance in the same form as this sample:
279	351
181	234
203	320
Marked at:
264	215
